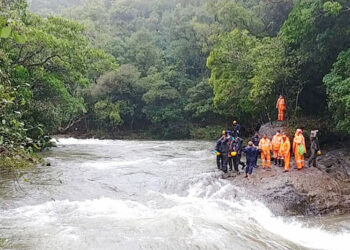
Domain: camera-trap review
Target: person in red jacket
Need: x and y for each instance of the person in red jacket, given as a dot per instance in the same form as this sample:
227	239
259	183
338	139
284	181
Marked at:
281	106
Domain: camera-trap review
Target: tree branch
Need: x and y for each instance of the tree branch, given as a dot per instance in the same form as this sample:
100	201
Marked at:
72	123
27	56
43	62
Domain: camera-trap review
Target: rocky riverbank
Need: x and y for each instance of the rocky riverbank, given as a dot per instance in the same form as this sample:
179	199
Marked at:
311	191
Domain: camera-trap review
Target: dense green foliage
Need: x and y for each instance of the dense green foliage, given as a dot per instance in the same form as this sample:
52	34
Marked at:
338	89
248	72
162	47
168	67
45	65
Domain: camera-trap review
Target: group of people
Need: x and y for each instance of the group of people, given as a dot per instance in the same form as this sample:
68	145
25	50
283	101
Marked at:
229	148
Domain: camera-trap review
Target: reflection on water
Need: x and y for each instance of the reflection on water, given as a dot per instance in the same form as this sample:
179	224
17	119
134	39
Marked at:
146	195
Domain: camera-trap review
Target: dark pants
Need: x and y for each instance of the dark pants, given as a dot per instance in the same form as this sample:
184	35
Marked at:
256	160
219	161
312	160
250	166
230	162
237	161
224	162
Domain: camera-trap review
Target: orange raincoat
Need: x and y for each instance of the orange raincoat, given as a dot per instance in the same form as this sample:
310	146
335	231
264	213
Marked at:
276	144
265	146
281	106
285	153
299	159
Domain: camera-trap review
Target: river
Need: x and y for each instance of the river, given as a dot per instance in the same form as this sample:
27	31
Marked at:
112	194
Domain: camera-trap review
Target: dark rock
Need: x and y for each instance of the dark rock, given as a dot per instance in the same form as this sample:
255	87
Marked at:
312	191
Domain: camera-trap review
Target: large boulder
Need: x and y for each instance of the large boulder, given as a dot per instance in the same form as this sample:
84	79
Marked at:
271	128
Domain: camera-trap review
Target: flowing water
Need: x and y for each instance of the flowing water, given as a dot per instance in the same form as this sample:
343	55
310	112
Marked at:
145	195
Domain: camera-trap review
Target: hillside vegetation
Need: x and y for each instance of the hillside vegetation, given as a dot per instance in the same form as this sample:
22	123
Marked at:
169	68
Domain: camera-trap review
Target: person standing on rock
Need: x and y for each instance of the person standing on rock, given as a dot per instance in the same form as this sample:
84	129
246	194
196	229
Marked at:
299	148
225	149
281	106
284	152
218	152
265	148
238	147
256	139
236	131
230	152
251	152
314	148
276	145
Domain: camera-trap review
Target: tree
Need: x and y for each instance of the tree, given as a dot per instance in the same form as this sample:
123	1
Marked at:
338	90
231	70
45	65
123	91
313	41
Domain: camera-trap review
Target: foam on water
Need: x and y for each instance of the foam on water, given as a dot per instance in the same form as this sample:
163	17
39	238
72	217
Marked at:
193	216
74	141
165	195
112	164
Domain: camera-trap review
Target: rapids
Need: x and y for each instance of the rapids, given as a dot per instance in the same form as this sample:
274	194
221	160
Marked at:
112	194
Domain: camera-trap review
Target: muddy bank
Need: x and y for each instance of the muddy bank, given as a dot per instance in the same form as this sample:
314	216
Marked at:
311	191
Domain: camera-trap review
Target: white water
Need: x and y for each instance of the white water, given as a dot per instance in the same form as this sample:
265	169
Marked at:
146	195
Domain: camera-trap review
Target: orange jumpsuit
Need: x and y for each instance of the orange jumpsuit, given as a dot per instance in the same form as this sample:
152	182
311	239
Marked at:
285	153
299	159
281	106
276	144
265	146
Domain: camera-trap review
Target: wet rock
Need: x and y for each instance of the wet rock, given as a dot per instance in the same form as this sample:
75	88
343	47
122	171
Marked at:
311	191
271	128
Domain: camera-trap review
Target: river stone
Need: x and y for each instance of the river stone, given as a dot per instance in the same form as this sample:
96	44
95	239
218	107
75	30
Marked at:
271	128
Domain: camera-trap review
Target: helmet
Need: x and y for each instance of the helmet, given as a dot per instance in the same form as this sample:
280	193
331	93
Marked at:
218	153
223	132
319	152
234	122
233	154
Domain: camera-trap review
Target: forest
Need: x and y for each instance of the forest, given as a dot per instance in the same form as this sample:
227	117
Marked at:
169	69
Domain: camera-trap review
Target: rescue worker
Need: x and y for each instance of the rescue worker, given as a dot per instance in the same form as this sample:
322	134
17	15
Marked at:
231	150
236	131
256	139
251	152
314	148
284	152
265	148
225	149
218	152
238	145
299	149
276	144
281	106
